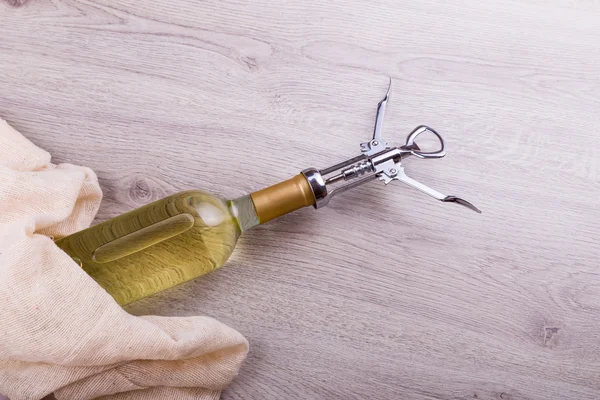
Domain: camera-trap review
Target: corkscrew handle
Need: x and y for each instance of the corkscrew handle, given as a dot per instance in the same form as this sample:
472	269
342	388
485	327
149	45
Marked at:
378	160
414	148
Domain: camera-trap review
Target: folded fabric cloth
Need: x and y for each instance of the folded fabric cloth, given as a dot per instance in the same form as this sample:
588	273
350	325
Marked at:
60	332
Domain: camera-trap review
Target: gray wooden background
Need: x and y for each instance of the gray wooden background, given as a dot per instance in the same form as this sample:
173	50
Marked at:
385	294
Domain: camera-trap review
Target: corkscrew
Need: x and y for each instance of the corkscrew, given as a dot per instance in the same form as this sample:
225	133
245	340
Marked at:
378	160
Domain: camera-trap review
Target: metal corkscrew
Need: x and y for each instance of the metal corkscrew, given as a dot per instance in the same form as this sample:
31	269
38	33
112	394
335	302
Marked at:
378	160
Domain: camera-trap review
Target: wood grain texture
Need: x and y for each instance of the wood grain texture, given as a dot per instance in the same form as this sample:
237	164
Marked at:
385	294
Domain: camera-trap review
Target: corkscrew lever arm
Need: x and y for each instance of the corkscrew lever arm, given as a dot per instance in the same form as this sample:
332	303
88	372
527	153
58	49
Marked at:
402	177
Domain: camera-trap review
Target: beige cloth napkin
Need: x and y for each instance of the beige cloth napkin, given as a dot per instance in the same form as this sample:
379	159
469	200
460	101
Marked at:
62	333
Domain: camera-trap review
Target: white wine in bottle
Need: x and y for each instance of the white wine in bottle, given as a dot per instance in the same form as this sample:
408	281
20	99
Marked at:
189	234
172	240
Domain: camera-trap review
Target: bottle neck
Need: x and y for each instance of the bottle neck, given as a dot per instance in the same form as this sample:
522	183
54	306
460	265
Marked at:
244	211
272	202
282	198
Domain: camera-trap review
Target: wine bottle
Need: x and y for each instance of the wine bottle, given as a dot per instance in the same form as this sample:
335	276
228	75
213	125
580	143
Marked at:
188	234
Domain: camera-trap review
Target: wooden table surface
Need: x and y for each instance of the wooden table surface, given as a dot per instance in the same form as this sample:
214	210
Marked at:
386	294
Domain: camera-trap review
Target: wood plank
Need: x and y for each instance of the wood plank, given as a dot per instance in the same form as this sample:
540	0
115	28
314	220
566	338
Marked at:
385	294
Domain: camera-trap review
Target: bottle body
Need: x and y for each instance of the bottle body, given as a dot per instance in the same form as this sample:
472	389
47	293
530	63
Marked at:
175	239
162	244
